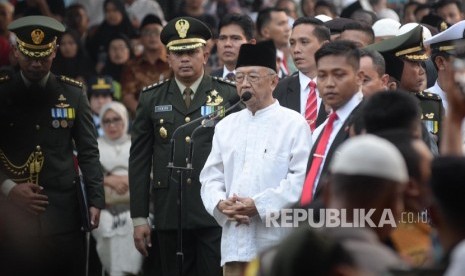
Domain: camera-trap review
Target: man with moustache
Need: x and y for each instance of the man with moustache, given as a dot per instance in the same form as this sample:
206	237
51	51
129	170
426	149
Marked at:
262	171
299	91
162	108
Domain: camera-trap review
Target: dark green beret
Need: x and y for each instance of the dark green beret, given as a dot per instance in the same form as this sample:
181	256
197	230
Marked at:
36	36
185	33
260	54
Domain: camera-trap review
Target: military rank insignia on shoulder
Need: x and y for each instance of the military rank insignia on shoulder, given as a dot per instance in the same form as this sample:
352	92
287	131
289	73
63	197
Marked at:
71	81
153	85
430	96
224	80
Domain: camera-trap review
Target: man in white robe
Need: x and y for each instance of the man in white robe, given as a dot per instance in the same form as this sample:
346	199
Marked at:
257	164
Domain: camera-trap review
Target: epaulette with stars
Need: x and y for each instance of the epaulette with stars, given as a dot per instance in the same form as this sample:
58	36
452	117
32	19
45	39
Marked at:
153	85
428	95
71	81
4	78
224	80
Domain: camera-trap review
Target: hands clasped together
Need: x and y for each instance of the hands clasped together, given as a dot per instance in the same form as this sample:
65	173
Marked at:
239	209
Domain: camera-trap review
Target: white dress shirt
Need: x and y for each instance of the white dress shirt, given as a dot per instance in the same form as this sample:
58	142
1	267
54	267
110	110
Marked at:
304	91
226	71
457	264
264	157
343	114
436	89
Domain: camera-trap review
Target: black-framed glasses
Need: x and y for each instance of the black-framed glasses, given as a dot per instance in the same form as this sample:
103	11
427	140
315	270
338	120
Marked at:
251	77
112	121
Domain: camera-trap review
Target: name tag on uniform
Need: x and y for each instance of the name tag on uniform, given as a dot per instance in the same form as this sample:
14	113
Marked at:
163	108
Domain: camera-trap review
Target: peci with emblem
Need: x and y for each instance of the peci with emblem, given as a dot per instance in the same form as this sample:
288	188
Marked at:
43	118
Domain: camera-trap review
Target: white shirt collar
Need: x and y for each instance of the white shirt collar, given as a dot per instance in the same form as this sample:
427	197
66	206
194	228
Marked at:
344	112
226	71
305	80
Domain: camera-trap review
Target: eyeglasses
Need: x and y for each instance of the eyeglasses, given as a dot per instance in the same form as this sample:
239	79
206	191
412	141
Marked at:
251	77
112	121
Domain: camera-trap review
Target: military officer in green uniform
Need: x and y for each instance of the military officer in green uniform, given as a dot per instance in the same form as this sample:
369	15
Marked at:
162	108
43	118
405	56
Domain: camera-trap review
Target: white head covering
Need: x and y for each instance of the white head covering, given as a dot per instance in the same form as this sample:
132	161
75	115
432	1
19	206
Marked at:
410	26
386	27
323	17
370	155
119	109
388	14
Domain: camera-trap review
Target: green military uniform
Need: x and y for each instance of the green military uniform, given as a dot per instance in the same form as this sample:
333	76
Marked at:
41	123
160	111
409	47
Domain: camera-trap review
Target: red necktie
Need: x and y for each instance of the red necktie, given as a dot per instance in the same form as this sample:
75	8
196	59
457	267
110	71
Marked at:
311	106
307	192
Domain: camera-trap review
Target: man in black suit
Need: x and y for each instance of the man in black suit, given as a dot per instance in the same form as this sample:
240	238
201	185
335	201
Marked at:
308	35
43	118
234	30
339	83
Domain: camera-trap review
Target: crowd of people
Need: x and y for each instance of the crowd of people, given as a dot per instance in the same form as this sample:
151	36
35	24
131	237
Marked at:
221	137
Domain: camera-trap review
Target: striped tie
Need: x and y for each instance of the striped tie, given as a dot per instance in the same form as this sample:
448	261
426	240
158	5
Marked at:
317	160
311	106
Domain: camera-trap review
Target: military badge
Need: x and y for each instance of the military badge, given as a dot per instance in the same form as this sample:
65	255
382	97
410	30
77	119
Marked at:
37	36
182	26
213	98
429	115
163	132
62	115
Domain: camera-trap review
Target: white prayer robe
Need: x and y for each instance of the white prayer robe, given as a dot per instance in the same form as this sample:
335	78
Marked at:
264	157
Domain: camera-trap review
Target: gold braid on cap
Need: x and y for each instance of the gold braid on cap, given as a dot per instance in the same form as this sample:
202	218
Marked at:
197	42
409	51
416	57
447	48
28	49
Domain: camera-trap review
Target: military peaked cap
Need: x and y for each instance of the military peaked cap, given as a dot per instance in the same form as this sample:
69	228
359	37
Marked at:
446	40
185	33
36	36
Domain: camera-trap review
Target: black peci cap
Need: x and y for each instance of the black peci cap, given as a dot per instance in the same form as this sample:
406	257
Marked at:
260	54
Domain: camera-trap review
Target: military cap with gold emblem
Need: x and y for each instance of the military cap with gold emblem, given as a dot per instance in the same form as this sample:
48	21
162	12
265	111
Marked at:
36	36
185	33
446	40
408	46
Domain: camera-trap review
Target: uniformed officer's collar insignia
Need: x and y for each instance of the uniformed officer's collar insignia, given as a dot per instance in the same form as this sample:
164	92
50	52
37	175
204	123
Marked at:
182	26
213	98
37	36
429	115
